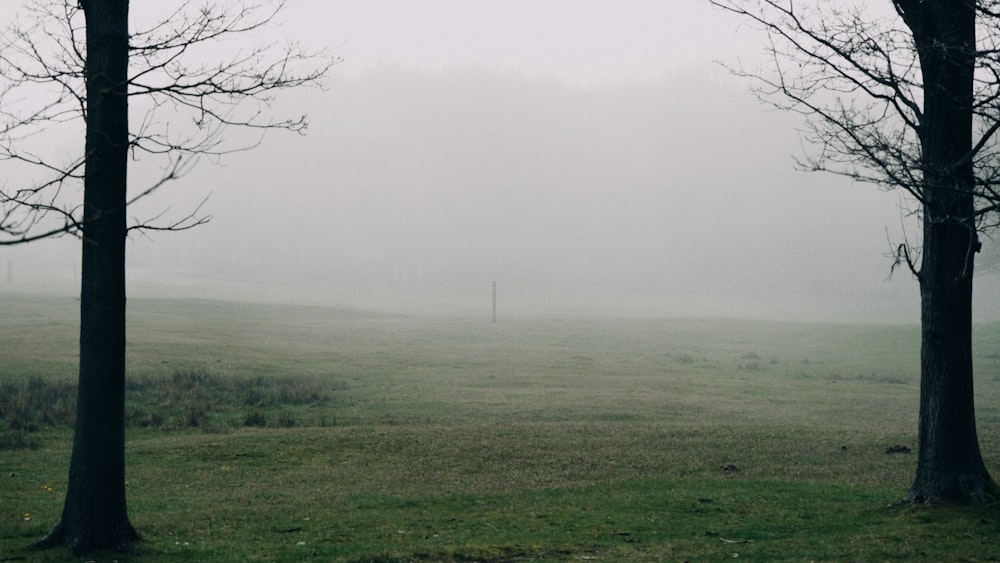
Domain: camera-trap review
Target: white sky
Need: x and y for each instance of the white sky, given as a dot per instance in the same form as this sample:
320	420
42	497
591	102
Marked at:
583	42
580	41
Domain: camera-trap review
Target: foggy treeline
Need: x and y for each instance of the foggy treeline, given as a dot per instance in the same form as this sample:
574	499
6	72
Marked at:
438	182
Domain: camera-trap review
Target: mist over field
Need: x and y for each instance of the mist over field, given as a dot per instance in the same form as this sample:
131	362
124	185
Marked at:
658	187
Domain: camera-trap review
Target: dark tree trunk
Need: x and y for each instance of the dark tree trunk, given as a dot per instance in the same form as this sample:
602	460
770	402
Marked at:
95	514
949	463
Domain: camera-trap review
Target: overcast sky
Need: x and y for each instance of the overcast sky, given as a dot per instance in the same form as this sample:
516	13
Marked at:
565	148
583	42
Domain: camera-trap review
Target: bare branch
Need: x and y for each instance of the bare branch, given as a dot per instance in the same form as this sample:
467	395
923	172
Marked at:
857	81
855	84
42	88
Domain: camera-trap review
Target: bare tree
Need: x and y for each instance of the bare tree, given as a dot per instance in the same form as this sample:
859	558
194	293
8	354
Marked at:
908	100
74	65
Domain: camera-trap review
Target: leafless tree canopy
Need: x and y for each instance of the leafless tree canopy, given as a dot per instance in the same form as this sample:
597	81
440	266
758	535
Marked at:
907	100
185	91
856	80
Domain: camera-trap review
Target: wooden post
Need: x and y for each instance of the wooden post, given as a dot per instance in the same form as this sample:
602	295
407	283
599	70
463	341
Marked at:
494	302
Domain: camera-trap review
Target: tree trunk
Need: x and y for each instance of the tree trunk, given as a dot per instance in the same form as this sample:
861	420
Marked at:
949	463
95	514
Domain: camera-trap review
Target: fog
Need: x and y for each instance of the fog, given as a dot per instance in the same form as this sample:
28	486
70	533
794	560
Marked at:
588	159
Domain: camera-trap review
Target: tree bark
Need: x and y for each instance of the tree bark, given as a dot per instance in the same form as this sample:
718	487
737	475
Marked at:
95	515
949	463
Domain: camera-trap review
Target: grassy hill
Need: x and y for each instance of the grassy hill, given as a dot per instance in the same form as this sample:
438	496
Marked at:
273	433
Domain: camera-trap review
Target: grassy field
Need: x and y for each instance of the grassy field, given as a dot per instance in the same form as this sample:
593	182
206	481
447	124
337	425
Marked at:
269	433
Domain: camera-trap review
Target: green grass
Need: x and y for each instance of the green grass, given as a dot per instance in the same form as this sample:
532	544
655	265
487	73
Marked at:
450	439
